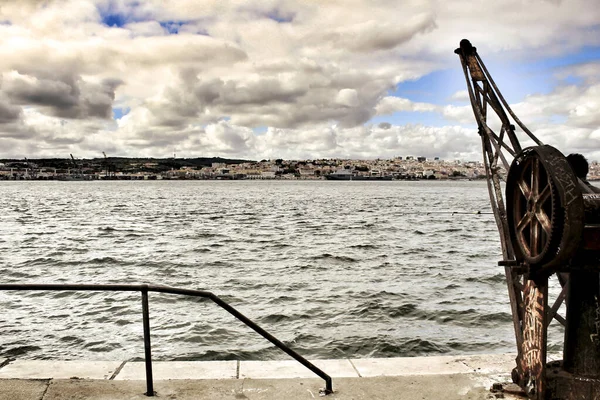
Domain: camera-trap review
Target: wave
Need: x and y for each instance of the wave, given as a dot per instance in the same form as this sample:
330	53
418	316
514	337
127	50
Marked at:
450	230
384	347
376	310
364	246
17	351
497	278
327	256
335	271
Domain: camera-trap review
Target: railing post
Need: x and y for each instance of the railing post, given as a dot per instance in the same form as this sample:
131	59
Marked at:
147	345
146	319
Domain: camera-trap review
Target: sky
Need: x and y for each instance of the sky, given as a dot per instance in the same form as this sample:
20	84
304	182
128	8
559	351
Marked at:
291	79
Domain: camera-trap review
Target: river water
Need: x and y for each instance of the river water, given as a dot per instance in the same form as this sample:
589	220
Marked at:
333	269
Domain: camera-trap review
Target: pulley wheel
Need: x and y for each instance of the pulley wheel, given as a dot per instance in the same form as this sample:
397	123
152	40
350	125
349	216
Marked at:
544	208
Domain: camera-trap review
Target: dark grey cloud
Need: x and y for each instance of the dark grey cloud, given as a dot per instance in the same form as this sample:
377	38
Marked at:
385	125
17	130
192	97
57	94
299	97
263	91
98	99
65	96
8	112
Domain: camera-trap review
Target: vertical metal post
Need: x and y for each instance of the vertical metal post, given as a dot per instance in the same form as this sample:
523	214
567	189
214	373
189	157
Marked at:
147	345
582	339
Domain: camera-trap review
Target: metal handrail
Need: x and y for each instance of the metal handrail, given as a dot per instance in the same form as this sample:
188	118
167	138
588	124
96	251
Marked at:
144	289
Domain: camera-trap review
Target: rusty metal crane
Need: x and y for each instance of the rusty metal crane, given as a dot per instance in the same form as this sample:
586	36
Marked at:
549	225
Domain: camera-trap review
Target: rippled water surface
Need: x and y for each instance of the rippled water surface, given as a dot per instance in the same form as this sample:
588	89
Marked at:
334	269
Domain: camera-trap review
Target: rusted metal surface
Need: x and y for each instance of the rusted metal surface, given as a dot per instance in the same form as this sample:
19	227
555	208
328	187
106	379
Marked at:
591	207
549	225
532	359
468	53
582	334
546	209
591	237
562	385
494	145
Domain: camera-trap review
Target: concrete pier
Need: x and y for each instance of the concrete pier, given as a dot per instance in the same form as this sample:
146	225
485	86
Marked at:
442	377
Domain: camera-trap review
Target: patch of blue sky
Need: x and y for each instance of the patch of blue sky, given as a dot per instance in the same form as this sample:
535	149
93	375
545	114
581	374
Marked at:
547	68
515	79
573	80
120	112
115	17
558	119
439	86
537	76
172	27
114	20
435	88
5	22
584	55
260	130
278	16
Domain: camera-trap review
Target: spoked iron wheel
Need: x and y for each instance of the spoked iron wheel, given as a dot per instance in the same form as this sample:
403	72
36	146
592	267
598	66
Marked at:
545	205
535	210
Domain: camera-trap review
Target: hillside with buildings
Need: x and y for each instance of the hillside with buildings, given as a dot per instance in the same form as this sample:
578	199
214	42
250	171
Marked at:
217	168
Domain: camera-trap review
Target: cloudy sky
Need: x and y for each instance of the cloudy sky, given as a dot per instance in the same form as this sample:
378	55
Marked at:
289	79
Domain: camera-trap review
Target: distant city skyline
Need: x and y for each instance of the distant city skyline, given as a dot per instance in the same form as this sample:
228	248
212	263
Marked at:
288	79
400	168
254	159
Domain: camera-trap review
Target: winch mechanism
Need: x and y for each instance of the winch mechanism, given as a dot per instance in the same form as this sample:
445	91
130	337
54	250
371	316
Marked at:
549	225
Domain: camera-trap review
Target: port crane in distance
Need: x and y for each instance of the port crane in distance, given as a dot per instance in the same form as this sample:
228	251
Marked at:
106	165
75	165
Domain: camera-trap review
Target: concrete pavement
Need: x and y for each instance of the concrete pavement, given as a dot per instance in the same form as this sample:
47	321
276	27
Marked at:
461	377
